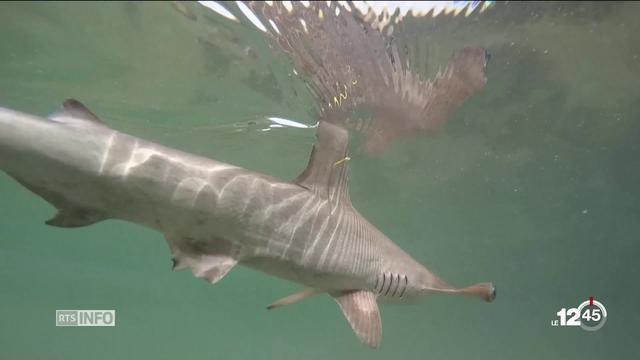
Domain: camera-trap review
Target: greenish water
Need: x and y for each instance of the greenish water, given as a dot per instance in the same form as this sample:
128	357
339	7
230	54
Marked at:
532	184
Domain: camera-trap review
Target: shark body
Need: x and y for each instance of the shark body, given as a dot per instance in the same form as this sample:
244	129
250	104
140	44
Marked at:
215	215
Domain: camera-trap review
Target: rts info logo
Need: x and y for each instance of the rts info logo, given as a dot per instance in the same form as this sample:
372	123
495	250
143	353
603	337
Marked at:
85	318
590	315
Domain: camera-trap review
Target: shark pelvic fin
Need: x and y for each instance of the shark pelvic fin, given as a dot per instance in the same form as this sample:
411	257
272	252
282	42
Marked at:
361	310
294	298
326	172
211	268
73	108
75	217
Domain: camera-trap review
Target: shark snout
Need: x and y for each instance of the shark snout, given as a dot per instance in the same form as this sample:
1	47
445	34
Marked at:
485	291
492	293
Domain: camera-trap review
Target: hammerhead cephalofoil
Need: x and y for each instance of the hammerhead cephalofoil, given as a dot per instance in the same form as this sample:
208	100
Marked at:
214	215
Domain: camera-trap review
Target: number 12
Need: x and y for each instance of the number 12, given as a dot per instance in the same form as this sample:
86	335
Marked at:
573	320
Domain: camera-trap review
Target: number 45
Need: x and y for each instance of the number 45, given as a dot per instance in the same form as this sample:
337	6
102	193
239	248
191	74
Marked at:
588	315
591	314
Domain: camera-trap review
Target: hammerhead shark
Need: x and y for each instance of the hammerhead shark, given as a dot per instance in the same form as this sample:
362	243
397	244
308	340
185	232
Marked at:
215	216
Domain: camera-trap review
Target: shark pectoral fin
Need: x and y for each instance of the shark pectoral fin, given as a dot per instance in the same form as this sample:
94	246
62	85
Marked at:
294	298
75	217
209	267
361	310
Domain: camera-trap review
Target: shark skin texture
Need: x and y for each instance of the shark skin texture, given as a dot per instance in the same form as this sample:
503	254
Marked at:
215	216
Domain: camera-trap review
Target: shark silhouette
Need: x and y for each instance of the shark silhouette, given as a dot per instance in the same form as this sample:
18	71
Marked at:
215	216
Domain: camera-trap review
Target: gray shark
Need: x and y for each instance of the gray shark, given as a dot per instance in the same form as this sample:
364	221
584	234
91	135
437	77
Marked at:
215	216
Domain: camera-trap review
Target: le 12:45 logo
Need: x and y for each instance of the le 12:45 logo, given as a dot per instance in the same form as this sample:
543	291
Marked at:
590	315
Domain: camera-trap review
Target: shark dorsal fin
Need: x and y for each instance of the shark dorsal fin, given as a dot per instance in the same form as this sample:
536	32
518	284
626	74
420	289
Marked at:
73	108
326	172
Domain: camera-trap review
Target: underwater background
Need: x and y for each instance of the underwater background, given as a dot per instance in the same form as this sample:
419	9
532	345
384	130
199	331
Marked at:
531	184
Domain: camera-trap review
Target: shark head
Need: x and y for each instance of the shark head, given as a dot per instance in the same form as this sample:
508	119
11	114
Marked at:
428	283
411	282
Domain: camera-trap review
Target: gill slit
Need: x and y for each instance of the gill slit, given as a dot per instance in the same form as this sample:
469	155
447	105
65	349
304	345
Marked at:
390	283
406	284
397	285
